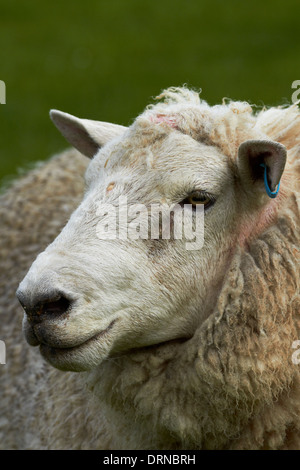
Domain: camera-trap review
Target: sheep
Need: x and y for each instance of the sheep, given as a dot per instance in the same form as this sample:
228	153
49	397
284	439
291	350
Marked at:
172	349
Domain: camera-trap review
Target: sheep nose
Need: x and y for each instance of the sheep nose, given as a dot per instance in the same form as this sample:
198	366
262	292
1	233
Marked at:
39	306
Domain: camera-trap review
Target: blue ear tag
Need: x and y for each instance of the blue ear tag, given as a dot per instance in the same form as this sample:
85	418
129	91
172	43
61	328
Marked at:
269	192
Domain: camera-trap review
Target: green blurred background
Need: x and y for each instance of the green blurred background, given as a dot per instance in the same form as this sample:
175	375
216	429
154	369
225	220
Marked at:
106	59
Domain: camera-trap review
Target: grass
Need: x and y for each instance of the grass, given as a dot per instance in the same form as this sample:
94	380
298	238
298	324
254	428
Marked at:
106	59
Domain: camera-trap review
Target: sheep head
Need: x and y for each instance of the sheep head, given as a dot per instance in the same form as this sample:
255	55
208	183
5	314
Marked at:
87	298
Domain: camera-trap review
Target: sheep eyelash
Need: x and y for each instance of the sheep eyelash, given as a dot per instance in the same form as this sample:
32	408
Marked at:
201	193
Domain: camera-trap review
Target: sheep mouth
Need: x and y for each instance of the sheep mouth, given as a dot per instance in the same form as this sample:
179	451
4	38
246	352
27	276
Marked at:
59	352
80	356
87	342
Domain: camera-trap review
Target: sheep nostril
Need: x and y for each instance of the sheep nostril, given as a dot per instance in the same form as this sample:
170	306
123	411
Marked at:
56	307
41	306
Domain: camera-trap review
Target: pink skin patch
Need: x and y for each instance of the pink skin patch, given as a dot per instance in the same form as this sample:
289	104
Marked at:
251	228
170	120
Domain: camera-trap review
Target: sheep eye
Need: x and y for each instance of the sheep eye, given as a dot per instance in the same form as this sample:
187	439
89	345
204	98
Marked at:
199	197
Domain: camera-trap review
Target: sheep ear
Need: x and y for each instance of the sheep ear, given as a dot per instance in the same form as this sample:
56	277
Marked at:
262	162
85	135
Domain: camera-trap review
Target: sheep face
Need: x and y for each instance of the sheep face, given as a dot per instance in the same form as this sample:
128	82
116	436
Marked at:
88	297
